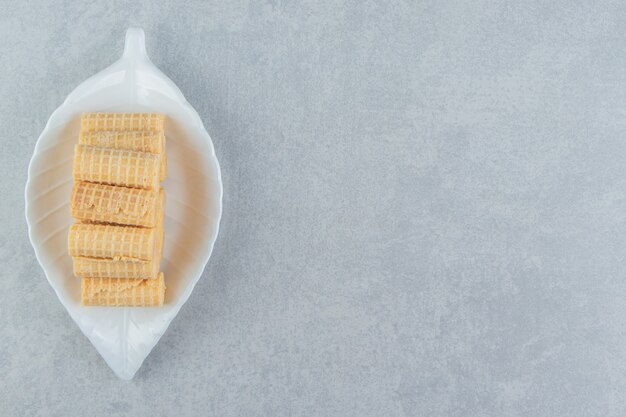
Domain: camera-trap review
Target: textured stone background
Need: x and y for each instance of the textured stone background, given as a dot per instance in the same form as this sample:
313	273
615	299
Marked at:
424	209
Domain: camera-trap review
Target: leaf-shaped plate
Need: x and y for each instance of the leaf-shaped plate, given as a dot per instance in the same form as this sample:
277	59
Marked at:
125	336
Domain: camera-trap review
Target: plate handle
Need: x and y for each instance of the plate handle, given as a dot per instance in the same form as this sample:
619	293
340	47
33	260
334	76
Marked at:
135	44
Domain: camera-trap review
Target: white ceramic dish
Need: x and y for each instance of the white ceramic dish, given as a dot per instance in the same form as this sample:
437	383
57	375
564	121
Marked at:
125	336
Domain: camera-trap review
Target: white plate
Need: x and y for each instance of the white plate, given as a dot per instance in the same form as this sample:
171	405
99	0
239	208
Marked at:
125	336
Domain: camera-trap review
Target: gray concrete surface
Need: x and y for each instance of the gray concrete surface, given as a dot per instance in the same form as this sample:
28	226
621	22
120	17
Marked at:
424	210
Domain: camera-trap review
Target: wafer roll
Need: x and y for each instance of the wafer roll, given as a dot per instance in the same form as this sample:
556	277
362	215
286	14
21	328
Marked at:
111	242
123	292
141	141
108	268
116	167
90	122
112	204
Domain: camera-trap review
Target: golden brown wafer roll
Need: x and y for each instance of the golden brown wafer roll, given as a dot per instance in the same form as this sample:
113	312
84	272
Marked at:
116	167
123	292
114	204
111	242
141	141
108	268
90	122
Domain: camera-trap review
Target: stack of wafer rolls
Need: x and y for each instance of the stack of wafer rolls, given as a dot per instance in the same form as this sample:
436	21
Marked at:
118	203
